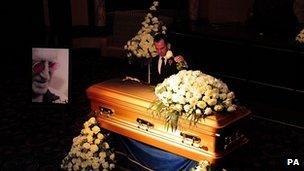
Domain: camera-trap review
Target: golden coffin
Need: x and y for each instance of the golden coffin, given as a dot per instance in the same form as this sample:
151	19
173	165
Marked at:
122	107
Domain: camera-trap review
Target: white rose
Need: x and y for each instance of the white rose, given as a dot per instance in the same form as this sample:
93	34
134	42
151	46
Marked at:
218	108
231	108
86	145
102	154
230	95
95	165
112	166
105	165
227	102
94	148
201	104
186	108
106	145
223	96
100	136
168	55
206	98
198	111
208	111
95	129
153	8
112	156
178	107
97	141
89	138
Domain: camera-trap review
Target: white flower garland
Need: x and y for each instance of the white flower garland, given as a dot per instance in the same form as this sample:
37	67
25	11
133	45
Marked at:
194	95
142	45
89	150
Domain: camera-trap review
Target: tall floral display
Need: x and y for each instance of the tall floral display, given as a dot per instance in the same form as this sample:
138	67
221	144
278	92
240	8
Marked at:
192	95
89	150
141	46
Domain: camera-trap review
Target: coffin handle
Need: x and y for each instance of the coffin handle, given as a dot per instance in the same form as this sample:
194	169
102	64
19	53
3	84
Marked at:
194	138
105	111
144	122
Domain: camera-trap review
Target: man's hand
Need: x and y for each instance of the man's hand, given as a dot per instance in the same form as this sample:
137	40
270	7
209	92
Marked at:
181	63
179	59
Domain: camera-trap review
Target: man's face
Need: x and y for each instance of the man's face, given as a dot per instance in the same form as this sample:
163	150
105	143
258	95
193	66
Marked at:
161	48
42	70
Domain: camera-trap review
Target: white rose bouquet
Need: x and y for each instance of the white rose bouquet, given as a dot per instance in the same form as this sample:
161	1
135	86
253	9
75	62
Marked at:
89	150
142	45
192	95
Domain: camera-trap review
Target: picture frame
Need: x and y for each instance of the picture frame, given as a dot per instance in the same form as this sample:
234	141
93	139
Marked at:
50	75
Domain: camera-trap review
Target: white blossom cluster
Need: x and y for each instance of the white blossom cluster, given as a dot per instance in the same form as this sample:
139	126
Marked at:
300	37
195	93
202	166
89	150
142	44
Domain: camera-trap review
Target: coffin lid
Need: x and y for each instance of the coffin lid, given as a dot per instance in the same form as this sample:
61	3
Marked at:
143	95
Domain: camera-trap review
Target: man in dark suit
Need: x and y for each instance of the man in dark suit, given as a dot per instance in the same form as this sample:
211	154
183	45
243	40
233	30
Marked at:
165	64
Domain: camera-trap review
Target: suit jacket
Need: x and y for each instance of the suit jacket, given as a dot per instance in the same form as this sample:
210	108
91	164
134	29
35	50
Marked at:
169	69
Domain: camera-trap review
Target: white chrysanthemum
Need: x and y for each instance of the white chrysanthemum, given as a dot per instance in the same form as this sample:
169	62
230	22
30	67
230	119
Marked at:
112	166
92	120
208	111
105	165
94	148
112	156
95	129
218	108
201	104
106	145
86	145
231	108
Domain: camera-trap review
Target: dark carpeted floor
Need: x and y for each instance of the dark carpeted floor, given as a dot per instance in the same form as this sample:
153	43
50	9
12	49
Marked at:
37	137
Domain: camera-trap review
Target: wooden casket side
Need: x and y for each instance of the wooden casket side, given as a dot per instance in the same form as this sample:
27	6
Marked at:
129	103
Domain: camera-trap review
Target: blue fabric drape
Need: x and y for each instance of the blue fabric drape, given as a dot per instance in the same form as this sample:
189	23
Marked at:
151	157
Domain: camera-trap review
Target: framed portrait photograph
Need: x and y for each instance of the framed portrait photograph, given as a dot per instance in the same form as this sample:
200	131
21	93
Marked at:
50	75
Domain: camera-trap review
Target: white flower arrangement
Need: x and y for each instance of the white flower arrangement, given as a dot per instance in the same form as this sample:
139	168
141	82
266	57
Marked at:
202	166
300	37
192	95
142	45
89	150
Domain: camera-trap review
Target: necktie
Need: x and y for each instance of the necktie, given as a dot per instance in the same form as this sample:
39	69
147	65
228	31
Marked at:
162	68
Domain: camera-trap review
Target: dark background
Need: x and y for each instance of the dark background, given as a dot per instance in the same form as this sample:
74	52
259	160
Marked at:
258	59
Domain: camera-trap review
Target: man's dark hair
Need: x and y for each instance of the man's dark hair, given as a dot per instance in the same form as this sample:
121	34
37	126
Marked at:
159	37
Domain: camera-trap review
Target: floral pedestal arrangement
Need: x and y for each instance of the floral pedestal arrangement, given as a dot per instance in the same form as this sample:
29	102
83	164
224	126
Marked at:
142	45
90	150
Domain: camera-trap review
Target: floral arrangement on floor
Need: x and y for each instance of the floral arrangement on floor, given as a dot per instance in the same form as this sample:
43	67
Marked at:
89	150
202	166
142	45
300	37
192	95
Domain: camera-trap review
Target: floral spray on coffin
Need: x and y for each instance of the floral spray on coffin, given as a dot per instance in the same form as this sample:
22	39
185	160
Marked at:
192	95
142	45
